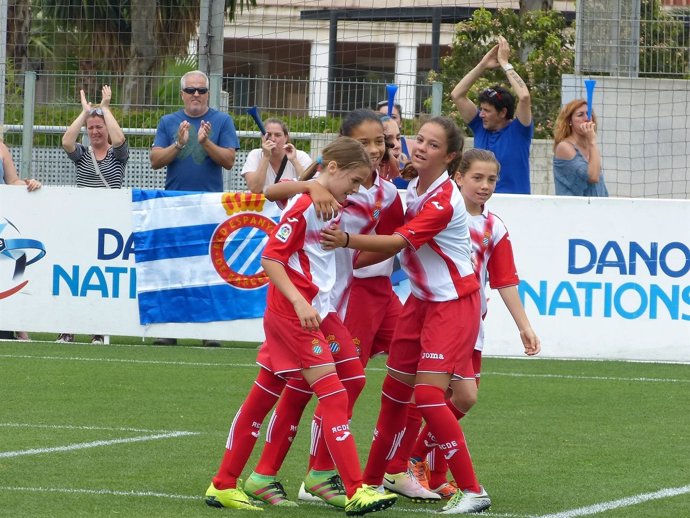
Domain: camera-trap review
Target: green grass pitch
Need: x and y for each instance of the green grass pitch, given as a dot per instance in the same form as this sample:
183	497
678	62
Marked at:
138	431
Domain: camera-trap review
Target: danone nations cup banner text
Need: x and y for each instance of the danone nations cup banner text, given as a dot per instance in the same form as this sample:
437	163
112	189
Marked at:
198	255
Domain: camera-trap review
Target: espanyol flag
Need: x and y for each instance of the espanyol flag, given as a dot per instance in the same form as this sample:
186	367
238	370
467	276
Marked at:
198	255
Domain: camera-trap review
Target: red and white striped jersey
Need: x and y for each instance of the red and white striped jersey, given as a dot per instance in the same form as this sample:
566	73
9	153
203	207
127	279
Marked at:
493	258
437	260
295	243
377	209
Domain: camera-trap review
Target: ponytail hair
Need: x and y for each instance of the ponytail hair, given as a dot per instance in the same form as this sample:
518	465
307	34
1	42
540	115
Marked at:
347	152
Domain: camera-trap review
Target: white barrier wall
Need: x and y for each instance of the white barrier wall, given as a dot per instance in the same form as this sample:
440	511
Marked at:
602	278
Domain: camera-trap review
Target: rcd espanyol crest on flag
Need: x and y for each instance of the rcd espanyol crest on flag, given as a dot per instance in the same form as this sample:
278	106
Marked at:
237	243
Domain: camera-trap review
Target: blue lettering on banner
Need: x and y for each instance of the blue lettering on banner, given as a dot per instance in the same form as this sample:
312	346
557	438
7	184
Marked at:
109	282
111	245
672	258
629	300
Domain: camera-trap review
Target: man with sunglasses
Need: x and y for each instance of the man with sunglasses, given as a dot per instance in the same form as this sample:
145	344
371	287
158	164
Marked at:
197	142
498	125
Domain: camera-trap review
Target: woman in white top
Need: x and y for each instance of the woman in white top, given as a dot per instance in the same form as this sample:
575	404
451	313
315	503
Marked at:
276	160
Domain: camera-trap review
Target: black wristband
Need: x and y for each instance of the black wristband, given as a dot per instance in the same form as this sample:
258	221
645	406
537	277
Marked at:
347	239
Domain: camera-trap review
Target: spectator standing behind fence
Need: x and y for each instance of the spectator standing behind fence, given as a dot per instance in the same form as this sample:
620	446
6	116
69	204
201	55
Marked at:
498	125
9	176
576	158
276	160
102	163
196	143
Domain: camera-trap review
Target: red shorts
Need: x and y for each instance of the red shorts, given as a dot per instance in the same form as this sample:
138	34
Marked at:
436	337
339	340
372	314
289	348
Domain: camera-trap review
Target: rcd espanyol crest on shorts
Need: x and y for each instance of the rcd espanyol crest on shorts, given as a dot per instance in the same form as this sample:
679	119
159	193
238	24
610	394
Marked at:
333	344
237	243
316	346
16	253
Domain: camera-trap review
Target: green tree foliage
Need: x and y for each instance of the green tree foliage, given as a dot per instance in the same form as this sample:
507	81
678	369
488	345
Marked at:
542	51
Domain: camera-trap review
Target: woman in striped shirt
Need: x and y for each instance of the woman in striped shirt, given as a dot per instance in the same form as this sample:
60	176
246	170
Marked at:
102	164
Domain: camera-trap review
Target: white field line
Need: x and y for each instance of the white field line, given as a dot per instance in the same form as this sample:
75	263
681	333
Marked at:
77	427
155	494
96	492
120	360
373	369
92	444
623	502
593	378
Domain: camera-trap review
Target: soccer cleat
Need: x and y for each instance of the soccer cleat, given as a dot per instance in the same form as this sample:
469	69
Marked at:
368	500
467	502
65	338
233	498
406	484
446	490
307	497
420	471
267	489
327	486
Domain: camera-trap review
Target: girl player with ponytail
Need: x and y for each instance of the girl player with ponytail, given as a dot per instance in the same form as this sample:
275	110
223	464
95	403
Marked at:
432	347
301	275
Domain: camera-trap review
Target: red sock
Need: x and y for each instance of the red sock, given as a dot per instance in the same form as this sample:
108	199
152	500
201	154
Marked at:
426	441
246	426
351	374
438	469
332	408
319	457
282	427
447	431
400	462
395	397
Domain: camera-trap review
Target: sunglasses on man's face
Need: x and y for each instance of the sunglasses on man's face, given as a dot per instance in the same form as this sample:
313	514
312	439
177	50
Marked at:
191	90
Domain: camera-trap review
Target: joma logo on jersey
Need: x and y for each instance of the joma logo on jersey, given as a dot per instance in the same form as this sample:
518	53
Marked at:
432	356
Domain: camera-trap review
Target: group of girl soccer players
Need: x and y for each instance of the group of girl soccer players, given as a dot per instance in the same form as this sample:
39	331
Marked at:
331	307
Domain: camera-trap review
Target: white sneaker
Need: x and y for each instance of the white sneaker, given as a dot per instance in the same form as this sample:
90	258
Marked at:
466	502
307	497
406	484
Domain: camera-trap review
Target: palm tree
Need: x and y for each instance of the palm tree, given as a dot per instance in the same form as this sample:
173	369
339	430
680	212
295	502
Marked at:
130	38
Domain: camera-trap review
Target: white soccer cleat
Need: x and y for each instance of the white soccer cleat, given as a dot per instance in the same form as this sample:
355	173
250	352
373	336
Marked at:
406	484
307	497
466	502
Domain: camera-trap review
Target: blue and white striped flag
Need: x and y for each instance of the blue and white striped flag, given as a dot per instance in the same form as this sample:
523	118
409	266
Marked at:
198	255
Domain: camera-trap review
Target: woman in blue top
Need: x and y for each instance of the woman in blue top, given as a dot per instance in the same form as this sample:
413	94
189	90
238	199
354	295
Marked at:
576	157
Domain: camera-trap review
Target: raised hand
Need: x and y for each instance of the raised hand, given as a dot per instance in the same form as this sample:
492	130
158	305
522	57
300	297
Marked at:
503	54
183	133
490	59
267	145
85	105
106	96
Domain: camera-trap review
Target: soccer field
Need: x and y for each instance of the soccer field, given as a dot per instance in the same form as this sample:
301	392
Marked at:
135	430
